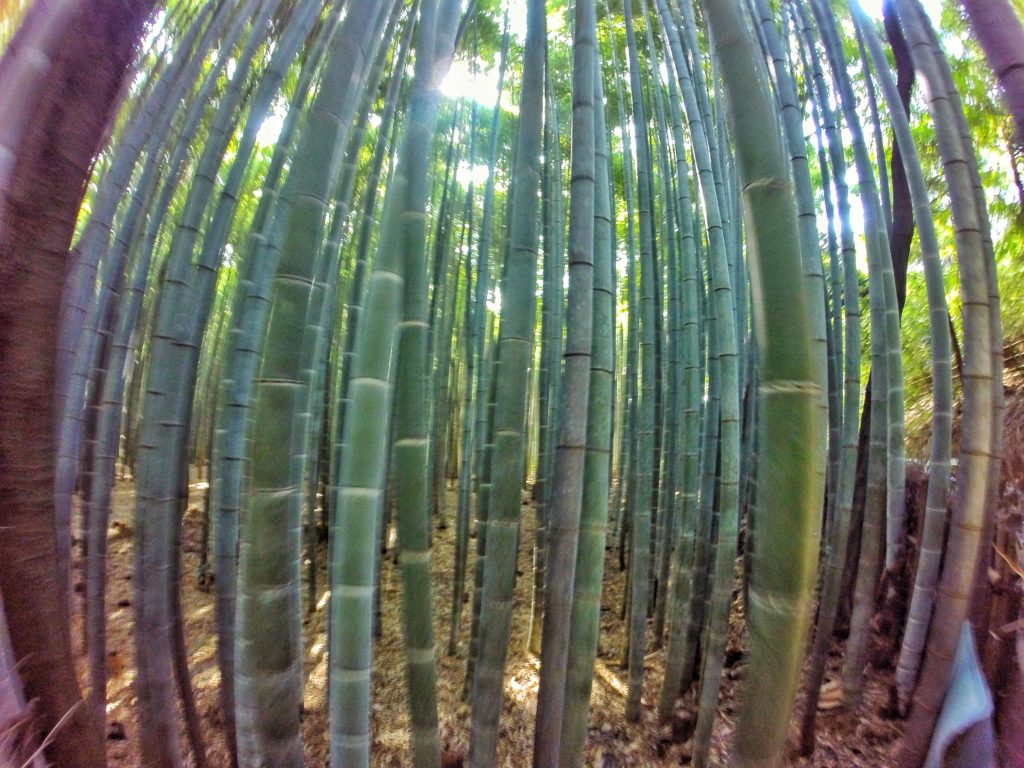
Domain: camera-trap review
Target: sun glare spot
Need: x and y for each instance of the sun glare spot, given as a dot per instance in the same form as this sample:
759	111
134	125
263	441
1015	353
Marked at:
873	8
461	82
270	130
476	173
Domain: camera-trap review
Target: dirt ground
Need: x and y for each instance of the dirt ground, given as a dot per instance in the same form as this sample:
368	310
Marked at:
861	738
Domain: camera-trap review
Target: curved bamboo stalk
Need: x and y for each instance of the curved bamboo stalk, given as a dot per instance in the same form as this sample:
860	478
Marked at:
399	254
80	290
791	389
268	674
243	341
95	245
322	313
162	471
976	444
895	541
933	537
886	452
981	605
50	131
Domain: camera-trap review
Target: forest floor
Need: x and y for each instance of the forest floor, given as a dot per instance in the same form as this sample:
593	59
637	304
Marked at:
850	739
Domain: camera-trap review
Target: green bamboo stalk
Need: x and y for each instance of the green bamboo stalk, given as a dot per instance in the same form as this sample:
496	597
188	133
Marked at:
884	194
441	342
895	547
137	231
107	436
573	399
790	389
932	540
679	656
708	471
361	484
834	543
463	431
321	316
113	387
411	446
486	389
698	113
144	136
640	555
475	362
833	562
982	583
465	482
367	224
668	508
840	471
976	444
268	675
485	426
727	427
625	469
186	301
549	372
586	608
515	343
834	309
887	376
438	343
247	320
793	136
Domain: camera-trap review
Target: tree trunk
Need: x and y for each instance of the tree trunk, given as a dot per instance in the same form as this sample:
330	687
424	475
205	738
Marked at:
49	135
1001	34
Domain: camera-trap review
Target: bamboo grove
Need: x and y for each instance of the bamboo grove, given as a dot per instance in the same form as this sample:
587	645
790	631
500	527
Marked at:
643	293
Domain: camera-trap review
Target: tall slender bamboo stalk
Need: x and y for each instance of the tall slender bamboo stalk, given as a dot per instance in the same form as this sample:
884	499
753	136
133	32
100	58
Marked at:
549	370
515	345
586	608
942	382
268	675
679	657
411	448
643	493
475	351
791	389
573	401
976	444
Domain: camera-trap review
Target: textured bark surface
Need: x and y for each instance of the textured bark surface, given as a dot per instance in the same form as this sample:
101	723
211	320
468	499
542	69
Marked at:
50	164
902	207
1001	34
